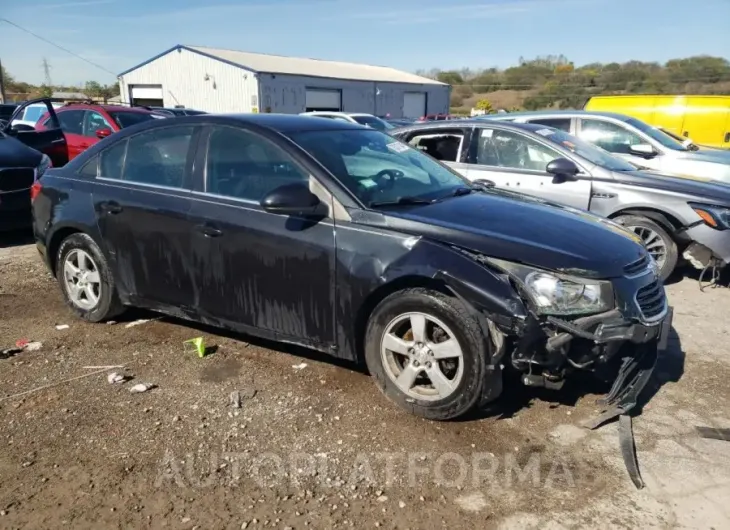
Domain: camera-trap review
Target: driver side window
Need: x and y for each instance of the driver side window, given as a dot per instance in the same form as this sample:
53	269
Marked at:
93	122
609	136
242	165
512	150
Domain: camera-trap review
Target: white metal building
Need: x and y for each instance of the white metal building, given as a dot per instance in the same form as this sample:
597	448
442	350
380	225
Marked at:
216	80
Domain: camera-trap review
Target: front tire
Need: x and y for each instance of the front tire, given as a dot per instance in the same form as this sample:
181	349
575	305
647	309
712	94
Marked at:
427	353
86	280
657	241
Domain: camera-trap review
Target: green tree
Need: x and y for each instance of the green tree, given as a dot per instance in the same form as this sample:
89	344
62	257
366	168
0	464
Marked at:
45	91
450	78
93	89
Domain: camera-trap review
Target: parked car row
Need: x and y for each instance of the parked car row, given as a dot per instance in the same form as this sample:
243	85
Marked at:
673	216
345	239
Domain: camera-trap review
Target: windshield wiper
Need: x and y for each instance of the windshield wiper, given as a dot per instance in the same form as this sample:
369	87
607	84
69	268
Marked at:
402	201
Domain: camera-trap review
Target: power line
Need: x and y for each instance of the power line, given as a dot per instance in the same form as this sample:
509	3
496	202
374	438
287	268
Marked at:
92	63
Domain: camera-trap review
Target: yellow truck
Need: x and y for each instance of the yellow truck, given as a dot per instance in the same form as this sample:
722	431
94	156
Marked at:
704	119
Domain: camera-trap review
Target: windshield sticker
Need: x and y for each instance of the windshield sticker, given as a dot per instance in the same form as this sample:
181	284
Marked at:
487	133
398	147
368	183
545	132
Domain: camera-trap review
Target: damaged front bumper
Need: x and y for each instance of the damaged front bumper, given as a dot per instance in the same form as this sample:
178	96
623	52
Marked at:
708	248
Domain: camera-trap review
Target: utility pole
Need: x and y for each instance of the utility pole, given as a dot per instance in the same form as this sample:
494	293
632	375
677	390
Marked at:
2	84
47	72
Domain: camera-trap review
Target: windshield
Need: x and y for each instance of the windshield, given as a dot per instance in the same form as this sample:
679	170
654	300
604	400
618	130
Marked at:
590	152
377	168
127	119
372	121
657	135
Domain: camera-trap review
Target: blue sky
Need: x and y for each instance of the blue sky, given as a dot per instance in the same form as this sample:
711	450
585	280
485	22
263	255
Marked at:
405	34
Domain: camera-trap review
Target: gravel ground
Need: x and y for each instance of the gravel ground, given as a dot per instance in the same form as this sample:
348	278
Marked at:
318	446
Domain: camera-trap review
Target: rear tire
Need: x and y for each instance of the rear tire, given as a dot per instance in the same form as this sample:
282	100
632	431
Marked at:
86	280
454	353
656	240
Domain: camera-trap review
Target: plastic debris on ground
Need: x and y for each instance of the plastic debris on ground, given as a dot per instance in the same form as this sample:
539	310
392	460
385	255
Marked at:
142	387
137	323
196	345
61	327
33	346
300	366
115	377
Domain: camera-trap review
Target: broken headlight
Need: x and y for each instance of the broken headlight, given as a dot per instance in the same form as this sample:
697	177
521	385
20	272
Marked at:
558	294
717	217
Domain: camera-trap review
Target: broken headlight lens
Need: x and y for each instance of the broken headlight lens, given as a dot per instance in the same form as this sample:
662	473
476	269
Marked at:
717	217
558	294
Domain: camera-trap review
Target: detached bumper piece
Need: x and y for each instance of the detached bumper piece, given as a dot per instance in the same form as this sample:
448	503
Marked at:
634	374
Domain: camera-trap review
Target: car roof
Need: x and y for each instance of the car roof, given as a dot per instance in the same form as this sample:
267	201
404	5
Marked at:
287	122
455	124
546	113
108	108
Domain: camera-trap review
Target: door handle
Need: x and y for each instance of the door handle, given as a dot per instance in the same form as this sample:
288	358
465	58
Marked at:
209	231
111	207
685	134
727	137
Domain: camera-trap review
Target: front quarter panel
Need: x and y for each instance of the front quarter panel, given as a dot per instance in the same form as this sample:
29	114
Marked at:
374	260
612	197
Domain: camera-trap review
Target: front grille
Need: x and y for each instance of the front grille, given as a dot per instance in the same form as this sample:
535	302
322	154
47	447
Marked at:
16	179
651	300
637	266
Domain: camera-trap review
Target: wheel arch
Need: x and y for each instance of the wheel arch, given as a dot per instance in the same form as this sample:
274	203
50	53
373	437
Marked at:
383	291
666	220
57	238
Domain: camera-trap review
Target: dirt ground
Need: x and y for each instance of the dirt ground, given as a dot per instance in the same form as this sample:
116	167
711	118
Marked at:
318	446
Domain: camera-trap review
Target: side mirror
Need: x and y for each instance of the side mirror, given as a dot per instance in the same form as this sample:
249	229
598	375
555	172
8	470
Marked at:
103	133
642	150
291	199
563	170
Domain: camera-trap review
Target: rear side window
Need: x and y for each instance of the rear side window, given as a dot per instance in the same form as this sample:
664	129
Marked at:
158	157
112	161
562	124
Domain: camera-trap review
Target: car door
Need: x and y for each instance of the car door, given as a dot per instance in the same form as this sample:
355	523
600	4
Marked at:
142	205
515	161
72	125
50	140
255	269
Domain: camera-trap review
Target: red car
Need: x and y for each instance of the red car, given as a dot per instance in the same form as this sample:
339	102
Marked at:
84	124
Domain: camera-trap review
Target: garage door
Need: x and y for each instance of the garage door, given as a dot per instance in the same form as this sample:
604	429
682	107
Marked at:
146	95
414	104
320	99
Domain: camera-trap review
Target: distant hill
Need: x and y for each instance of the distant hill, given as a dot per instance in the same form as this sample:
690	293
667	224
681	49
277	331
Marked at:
555	82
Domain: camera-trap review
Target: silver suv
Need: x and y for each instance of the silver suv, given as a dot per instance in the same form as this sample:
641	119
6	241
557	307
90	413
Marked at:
673	216
633	140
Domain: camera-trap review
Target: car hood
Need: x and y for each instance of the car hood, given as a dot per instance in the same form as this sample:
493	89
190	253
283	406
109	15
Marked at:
14	153
719	156
521	229
694	187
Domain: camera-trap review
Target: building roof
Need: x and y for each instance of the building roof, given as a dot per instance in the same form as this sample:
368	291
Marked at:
69	95
278	64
